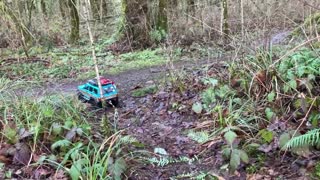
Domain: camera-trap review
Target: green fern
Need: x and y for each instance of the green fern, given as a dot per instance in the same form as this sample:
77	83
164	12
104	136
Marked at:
164	161
195	176
60	143
128	140
311	138
200	137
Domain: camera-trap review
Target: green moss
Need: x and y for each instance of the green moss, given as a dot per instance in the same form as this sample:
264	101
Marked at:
251	169
144	91
316	171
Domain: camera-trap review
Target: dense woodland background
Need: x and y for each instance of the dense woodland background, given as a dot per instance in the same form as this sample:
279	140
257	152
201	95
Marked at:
143	23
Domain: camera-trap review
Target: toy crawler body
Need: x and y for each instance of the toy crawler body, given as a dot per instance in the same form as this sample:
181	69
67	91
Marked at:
89	92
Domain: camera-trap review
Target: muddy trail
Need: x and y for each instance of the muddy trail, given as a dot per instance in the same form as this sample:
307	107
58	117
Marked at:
125	81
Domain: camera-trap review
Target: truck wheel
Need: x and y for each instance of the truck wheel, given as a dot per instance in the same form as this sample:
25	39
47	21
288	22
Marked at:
80	97
115	101
99	104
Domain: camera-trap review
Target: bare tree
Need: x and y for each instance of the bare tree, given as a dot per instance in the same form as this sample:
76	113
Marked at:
20	27
99	8
224	21
162	22
137	26
75	29
62	6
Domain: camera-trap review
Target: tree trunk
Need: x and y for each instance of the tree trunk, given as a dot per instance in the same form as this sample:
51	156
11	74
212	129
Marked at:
94	8
98	8
75	32
174	6
20	27
44	7
30	7
137	26
242	17
162	21
103	8
224	21
62	6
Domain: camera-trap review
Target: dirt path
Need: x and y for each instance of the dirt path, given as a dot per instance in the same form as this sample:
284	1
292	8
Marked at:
125	81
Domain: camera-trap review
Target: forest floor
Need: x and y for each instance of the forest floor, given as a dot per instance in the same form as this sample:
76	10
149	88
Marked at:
155	121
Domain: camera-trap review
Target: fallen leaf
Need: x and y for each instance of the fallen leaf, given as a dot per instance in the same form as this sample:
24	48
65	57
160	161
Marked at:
71	134
23	133
22	154
60	175
4	159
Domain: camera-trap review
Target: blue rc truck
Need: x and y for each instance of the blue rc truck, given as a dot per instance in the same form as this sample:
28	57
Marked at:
89	92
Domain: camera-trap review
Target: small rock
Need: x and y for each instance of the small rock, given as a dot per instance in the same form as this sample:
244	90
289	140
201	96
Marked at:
154	70
149	83
140	130
302	171
162	95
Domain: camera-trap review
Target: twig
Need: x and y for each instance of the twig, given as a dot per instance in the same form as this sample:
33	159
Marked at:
303	120
310	5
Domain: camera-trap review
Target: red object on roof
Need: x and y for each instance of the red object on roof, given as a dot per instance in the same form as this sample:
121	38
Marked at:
105	81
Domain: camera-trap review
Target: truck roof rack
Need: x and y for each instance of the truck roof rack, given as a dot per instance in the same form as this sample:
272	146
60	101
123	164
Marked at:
103	81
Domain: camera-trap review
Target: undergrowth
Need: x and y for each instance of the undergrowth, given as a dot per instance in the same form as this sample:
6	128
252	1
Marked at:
266	101
52	137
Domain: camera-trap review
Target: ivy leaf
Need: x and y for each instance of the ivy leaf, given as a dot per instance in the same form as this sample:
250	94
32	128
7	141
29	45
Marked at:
293	84
214	82
244	156
286	88
226	152
269	114
197	107
301	71
230	136
271	96
234	160
284	138
266	135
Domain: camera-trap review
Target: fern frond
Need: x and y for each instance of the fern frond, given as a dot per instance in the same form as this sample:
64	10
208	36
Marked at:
164	161
128	139
311	138
200	137
191	175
